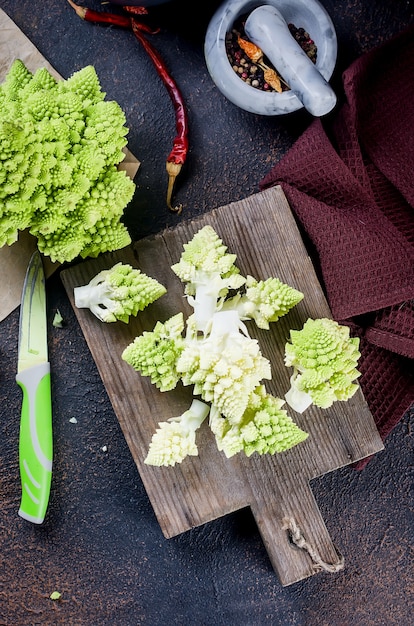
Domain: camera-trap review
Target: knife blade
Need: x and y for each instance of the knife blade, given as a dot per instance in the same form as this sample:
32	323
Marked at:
33	377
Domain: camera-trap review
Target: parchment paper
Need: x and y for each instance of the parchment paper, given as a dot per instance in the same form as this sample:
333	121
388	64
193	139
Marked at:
14	259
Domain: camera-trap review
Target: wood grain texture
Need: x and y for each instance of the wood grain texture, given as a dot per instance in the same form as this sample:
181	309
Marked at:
263	233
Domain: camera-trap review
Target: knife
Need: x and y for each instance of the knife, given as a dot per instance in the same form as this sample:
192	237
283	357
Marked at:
33	376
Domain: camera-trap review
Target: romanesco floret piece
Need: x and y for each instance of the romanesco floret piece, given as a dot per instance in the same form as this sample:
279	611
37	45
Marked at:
264	301
224	366
265	427
118	293
268	428
206	253
324	359
174	440
155	353
209	272
60	145
227	436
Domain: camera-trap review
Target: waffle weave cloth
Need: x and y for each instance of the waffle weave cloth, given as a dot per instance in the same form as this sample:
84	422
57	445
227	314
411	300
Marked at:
349	180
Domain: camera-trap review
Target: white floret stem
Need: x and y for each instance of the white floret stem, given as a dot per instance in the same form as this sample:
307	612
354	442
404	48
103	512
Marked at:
195	415
84	296
94	297
205	304
245	308
225	323
298	400
90	295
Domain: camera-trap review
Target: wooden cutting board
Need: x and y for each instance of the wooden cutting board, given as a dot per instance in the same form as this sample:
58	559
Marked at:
263	233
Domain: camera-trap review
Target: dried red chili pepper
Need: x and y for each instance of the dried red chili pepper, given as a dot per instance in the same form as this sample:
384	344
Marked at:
101	17
178	154
124	21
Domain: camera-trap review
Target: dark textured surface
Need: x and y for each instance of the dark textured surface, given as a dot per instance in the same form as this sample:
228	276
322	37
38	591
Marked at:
100	545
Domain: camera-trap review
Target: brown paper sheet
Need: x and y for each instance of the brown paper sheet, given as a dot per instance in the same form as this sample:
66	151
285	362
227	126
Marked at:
14	259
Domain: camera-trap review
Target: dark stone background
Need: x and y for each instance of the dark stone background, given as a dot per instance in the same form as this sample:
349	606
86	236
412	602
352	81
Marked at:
100	544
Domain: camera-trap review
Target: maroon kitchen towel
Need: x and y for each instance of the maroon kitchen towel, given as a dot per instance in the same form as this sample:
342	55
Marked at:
349	180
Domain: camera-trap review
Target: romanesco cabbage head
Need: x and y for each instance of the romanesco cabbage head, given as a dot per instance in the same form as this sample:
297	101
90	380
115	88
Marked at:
118	293
155	353
60	145
324	358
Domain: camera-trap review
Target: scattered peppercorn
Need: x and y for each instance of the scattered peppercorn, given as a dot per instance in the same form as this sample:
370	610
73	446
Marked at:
254	73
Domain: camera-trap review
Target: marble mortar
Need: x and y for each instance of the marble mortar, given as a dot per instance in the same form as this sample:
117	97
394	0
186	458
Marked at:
310	88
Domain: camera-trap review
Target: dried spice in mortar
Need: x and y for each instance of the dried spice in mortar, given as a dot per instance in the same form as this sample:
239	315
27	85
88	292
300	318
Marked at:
253	67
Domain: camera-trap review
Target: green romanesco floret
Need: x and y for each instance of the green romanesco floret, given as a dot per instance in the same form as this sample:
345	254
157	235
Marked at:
205	252
117	293
174	440
324	359
208	272
155	353
265	427
227	436
264	301
225	365
60	145
41	82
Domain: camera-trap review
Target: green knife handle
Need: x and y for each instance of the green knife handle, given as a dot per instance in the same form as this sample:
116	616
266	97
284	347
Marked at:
36	441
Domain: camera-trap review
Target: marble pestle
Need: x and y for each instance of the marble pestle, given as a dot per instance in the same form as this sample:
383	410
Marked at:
267	28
